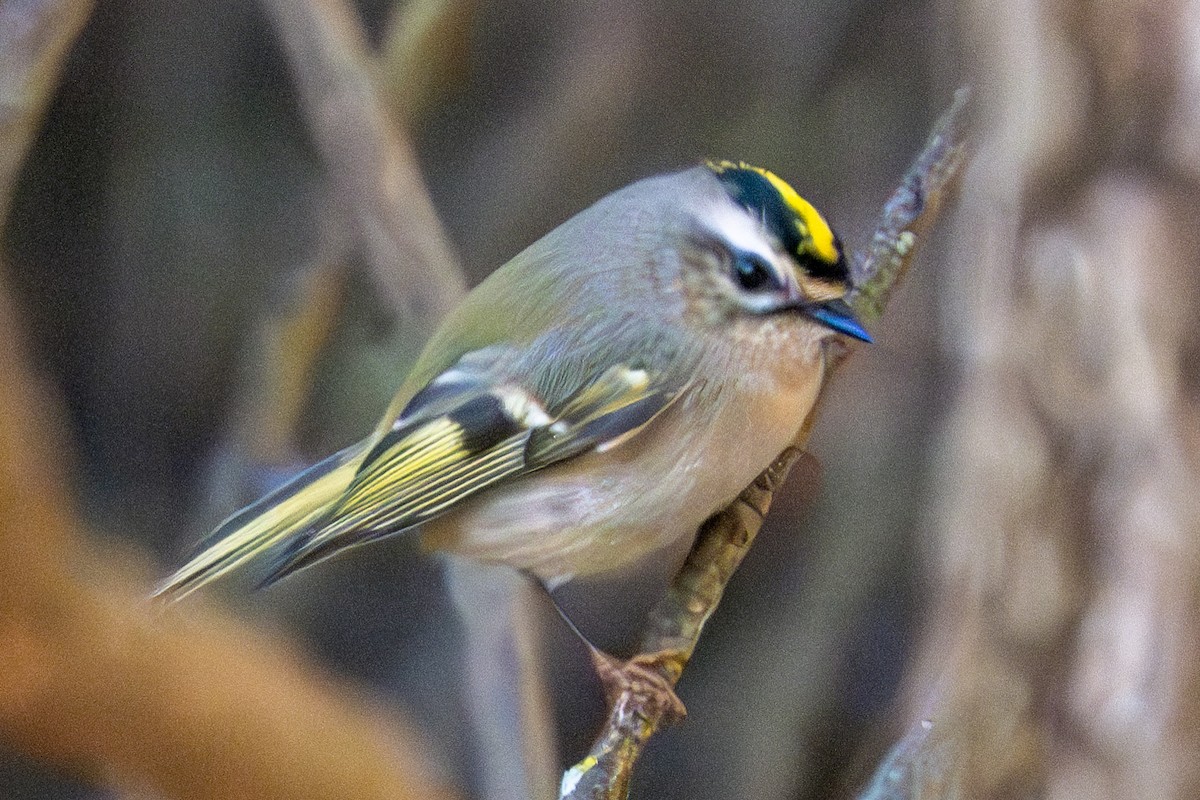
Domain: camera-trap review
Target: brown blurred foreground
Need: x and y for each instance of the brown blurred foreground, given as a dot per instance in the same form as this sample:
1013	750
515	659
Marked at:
94	679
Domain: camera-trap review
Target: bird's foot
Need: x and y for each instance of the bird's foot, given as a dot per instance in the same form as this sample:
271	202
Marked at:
642	683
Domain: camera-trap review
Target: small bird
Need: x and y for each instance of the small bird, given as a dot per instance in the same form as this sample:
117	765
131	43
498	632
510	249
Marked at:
594	400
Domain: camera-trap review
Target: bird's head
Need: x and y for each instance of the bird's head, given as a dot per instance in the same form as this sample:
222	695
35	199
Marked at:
758	249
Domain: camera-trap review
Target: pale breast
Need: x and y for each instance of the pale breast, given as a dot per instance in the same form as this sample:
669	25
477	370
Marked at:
605	510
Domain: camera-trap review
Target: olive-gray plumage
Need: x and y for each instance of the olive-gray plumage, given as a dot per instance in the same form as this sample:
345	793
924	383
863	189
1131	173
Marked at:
595	399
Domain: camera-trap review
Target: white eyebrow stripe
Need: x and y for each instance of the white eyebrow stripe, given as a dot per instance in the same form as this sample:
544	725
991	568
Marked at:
740	231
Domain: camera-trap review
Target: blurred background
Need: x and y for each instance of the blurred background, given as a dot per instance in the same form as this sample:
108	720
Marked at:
999	567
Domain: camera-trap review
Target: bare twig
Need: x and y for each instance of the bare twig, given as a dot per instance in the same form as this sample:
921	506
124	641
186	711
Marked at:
910	212
424	55
924	765
93	682
1060	645
371	164
511	715
382	212
359	108
291	342
676	622
34	39
673	629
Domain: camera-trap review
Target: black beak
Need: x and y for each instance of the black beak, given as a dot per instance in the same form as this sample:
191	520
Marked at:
837	315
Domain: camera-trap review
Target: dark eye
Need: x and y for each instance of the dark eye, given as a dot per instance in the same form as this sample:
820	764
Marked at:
753	273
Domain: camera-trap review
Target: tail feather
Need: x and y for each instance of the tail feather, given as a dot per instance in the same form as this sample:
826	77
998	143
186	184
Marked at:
287	512
329	536
303	551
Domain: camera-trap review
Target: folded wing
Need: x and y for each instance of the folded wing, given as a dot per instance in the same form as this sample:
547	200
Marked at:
463	433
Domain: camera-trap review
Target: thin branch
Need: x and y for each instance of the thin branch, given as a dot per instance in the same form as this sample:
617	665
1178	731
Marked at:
359	108
93	681
511	714
425	56
34	40
911	211
194	707
923	765
291	341
381	211
675	624
371	164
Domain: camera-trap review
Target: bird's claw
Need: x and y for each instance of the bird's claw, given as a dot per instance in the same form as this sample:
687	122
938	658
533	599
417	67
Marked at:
641	683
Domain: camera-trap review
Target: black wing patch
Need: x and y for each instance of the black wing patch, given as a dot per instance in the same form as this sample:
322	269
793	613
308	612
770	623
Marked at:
464	433
600	417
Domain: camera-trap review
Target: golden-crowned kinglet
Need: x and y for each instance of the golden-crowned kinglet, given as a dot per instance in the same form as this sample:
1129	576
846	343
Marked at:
595	399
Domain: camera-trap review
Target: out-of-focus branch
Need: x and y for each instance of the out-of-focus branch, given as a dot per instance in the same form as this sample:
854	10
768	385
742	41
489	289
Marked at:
1061	643
360	108
371	164
290	343
505	687
924	765
675	624
910	212
93	681
34	520
425	56
382	208
34	39
590	95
